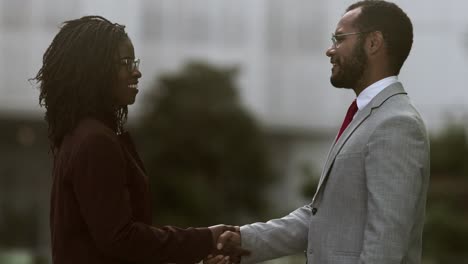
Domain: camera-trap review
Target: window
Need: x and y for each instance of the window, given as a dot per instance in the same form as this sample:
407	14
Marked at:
195	21
58	11
233	22
294	26
153	19
16	14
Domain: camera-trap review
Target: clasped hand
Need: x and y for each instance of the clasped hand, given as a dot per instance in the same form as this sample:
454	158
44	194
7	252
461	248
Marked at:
227	245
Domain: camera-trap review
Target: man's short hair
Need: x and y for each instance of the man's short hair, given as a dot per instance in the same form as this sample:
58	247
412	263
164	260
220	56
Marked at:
392	22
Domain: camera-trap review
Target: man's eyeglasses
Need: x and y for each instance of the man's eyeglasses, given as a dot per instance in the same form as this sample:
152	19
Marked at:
132	65
336	39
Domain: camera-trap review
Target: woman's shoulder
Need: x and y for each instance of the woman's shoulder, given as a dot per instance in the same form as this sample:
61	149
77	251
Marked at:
93	126
92	129
90	135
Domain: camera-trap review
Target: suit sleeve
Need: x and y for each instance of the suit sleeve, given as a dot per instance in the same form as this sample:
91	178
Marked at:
99	183
276	238
397	172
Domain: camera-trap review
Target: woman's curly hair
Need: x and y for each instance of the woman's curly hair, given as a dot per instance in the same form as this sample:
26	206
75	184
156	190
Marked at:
78	76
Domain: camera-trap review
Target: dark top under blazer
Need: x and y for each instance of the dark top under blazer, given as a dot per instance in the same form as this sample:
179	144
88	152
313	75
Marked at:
100	205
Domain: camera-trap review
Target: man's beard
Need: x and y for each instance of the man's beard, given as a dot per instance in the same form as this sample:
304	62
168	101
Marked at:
351	71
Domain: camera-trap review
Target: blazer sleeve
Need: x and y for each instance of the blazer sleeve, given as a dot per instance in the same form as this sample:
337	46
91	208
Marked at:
397	175
276	238
99	184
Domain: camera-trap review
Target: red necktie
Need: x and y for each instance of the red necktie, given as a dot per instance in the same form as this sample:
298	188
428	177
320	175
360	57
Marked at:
348	118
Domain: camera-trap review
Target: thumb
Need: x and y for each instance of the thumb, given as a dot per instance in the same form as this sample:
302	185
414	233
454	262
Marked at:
223	239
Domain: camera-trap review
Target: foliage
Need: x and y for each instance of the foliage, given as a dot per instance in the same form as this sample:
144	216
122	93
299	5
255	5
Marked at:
449	152
311	176
206	155
446	229
24	183
19	227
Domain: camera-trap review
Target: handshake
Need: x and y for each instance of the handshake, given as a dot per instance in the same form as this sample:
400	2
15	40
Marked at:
227	245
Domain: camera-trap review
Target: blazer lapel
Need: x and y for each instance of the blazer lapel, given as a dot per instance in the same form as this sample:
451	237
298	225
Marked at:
361	116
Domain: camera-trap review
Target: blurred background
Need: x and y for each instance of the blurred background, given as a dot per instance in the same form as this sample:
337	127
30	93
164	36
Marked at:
235	113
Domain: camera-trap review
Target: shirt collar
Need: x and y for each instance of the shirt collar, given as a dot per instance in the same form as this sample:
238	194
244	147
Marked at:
372	90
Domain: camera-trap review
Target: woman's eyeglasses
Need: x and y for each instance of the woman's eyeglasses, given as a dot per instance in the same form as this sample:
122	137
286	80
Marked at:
132	65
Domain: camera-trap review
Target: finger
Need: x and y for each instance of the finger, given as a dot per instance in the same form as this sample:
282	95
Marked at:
219	259
236	251
230	228
223	239
223	260
243	251
235	259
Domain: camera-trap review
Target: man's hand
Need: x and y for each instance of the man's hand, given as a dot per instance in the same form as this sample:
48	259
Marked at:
218	230
227	241
219	259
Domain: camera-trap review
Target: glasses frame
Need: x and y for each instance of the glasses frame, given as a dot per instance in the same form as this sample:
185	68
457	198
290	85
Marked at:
131	64
335	36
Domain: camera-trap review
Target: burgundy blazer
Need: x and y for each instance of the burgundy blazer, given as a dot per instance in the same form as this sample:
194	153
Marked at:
100	205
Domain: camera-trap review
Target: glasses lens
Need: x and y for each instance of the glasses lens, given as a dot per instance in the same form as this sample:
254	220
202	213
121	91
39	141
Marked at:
136	65
132	65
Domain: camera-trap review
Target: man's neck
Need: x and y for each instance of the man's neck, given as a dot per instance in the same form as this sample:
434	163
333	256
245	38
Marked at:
366	82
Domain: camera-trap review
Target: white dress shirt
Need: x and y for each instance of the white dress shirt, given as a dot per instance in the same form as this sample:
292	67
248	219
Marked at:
372	90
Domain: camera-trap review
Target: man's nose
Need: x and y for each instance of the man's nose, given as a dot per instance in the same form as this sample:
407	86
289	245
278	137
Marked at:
330	51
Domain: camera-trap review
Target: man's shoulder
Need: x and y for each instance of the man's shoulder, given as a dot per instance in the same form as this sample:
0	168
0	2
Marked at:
398	109
401	105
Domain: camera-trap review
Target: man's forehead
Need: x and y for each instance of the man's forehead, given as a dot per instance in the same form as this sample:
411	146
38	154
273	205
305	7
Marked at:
347	20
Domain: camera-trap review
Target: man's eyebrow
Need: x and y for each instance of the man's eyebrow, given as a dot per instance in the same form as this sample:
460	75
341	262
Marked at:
339	31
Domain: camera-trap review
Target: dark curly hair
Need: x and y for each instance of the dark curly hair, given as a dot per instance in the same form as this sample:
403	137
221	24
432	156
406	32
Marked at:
78	75
395	25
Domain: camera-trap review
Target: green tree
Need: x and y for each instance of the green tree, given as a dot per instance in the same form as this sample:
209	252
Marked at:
446	229
311	177
449	152
205	154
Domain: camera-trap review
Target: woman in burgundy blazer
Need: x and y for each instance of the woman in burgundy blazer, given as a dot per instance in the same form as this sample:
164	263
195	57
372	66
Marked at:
100	201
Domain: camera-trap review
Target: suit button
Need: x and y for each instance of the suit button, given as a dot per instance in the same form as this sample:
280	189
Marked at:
314	211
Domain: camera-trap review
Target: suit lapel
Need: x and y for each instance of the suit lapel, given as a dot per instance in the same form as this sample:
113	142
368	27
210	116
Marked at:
361	116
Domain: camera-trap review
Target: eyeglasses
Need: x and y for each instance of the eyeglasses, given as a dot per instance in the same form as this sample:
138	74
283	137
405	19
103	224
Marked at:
132	65
336	39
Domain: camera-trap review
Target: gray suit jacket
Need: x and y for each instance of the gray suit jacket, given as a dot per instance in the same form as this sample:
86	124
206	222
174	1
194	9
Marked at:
370	203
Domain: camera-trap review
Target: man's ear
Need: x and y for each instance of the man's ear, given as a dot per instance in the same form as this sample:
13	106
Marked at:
374	42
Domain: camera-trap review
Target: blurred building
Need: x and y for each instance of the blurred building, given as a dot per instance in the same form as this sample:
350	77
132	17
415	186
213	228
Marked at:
278	45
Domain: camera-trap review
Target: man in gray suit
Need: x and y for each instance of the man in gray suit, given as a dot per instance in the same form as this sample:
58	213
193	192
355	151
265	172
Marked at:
369	206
